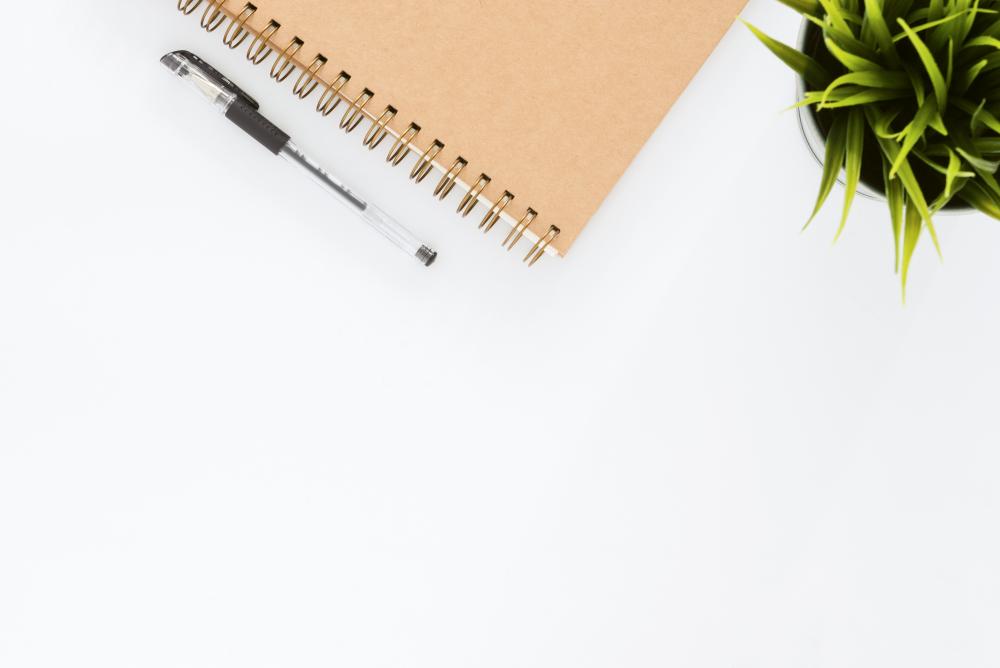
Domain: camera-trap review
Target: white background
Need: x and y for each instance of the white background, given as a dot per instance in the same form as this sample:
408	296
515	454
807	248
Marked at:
239	429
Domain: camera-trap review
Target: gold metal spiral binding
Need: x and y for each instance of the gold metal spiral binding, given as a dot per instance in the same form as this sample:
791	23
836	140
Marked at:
356	112
187	6
425	164
379	129
493	215
471	198
447	181
538	250
213	16
283	65
517	231
330	98
260	47
237	31
304	86
401	148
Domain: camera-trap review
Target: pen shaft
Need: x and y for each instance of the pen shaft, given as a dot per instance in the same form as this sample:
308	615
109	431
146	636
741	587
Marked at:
244	112
368	212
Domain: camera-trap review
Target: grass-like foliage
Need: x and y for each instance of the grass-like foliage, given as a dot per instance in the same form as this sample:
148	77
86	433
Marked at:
908	94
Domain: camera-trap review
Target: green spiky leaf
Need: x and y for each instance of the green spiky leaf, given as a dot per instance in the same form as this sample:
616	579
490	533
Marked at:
810	7
807	68
853	155
933	70
836	144
911	235
896	198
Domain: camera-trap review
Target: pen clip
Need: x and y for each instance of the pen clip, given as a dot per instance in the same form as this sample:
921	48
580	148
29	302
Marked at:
217	77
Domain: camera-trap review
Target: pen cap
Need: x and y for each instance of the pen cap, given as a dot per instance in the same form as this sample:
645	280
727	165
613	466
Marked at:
203	78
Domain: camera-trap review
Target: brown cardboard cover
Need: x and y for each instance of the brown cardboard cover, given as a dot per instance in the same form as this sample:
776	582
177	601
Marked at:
551	98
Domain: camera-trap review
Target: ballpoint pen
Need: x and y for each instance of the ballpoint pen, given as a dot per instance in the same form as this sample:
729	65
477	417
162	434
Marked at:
243	111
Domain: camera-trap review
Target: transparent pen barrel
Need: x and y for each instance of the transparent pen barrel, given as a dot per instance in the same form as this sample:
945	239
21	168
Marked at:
391	229
371	214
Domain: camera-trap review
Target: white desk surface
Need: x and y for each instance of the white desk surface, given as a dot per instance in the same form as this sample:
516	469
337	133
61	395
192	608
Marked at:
238	429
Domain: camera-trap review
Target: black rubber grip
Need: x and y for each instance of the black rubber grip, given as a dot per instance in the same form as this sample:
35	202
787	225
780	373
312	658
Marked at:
254	124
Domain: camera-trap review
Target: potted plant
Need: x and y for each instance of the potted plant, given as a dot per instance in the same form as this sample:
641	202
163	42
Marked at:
906	96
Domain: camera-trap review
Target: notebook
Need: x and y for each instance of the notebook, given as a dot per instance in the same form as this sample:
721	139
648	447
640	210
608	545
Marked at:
530	110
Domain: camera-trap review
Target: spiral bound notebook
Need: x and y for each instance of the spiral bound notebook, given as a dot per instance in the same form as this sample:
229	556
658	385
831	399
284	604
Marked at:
531	109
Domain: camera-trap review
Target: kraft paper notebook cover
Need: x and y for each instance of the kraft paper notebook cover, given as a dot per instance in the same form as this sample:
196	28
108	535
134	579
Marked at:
530	109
